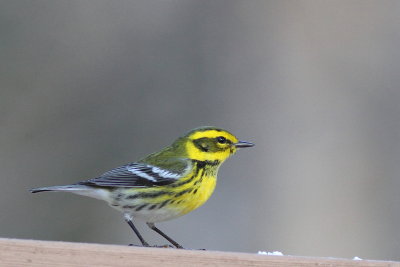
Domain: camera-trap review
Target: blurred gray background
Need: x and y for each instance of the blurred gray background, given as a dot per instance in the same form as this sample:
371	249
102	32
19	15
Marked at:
90	85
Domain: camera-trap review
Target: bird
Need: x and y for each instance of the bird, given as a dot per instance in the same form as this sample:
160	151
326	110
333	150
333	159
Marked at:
165	184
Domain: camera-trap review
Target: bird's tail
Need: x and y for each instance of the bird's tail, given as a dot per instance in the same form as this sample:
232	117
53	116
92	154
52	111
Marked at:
57	188
84	190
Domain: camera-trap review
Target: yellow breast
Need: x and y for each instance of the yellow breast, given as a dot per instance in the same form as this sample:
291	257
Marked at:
200	194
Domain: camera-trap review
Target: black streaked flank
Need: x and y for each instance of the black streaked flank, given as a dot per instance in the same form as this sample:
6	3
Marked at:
132	196
153	206
198	181
141	207
129	206
184	181
148	195
182	192
164	203
119	196
195	191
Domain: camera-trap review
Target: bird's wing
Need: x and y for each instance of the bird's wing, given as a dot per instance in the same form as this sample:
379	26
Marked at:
137	175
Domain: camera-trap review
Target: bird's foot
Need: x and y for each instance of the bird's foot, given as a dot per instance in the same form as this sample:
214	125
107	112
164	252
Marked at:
155	246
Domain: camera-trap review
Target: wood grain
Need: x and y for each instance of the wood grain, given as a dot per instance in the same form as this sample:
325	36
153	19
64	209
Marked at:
17	252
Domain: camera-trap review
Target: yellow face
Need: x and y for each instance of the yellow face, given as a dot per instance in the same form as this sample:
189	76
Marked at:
211	144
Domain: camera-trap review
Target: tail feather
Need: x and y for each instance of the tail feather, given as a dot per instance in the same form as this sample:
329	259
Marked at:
38	190
57	188
84	190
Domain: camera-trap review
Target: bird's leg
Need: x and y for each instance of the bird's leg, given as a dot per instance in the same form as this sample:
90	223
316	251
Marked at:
154	228
128	219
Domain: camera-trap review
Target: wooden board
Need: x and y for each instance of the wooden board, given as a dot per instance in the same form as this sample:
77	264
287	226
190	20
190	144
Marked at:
17	252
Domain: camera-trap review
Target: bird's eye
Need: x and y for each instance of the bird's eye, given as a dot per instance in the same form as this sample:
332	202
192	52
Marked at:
221	140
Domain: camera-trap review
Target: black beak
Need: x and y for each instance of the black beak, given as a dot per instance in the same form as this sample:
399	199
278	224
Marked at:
241	144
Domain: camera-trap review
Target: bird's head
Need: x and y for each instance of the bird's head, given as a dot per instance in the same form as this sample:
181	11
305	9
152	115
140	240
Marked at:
211	144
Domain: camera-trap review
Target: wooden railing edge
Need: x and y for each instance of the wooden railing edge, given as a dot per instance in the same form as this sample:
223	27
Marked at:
22	252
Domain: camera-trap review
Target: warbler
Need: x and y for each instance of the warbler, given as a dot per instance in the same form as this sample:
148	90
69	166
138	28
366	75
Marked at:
165	184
